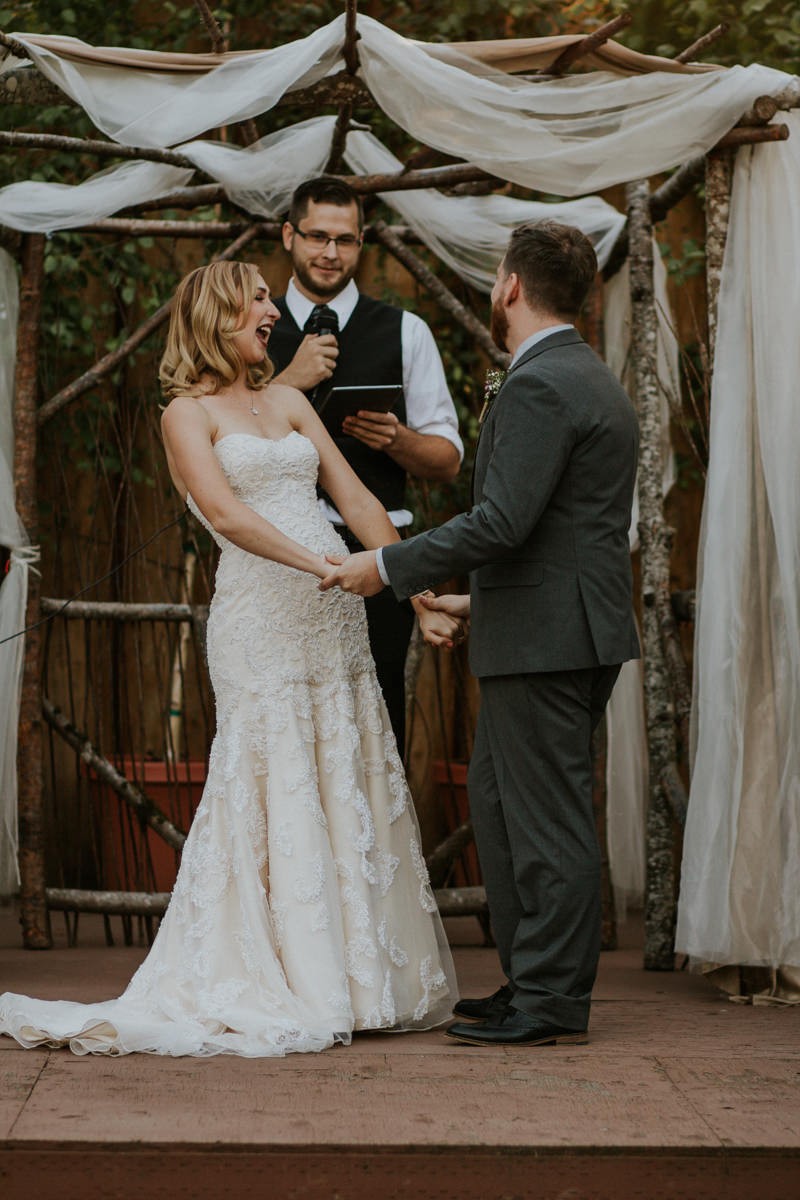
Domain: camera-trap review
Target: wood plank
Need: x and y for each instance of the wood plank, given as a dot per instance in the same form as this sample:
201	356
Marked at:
19	1070
749	1102
545	1098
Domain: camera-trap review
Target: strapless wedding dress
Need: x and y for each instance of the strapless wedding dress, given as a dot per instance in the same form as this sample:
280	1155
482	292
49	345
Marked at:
302	909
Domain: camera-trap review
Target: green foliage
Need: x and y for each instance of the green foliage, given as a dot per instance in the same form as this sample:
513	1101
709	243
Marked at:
689	262
763	31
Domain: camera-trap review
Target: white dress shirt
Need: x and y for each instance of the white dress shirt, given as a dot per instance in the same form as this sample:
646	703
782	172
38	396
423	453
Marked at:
429	406
521	349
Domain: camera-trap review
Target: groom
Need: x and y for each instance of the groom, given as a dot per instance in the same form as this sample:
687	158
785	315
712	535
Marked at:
546	548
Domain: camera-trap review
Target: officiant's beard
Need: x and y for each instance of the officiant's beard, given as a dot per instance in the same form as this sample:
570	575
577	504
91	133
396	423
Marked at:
498	326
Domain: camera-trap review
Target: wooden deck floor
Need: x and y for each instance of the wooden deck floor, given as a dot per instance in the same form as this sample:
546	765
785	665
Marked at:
679	1094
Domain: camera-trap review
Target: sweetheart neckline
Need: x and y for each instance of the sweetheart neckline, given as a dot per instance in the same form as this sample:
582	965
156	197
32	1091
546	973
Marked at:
259	437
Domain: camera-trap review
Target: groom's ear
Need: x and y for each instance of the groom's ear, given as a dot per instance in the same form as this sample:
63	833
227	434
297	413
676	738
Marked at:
513	288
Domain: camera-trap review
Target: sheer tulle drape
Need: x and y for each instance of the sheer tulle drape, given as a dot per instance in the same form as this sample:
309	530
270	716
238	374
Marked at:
14	587
568	138
740	893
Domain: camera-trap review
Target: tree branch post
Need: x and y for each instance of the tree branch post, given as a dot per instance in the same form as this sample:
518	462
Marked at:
719	179
33	916
591	42
655	540
351	36
56	141
702	43
339	138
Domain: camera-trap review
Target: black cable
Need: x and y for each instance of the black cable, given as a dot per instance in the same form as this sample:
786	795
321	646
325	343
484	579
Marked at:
94	583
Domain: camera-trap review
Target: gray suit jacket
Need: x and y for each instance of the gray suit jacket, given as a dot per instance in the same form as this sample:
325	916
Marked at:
546	543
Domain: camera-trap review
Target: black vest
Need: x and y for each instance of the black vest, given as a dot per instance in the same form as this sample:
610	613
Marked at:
370	351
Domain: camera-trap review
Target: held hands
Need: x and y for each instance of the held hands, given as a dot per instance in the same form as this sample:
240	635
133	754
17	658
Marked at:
379	431
314	361
356	573
443	620
455	606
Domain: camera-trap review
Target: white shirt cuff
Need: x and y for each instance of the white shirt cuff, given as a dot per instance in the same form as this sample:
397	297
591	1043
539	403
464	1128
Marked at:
380	566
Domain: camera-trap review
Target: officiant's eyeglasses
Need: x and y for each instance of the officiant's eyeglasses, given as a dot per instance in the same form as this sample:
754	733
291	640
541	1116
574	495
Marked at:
320	240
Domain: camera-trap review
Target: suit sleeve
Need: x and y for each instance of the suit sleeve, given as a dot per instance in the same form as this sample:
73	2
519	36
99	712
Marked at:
533	440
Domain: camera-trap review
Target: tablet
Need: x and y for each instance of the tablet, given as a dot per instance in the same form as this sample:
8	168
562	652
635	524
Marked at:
344	402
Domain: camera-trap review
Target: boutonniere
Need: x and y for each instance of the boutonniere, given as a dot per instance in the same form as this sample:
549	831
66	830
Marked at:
494	381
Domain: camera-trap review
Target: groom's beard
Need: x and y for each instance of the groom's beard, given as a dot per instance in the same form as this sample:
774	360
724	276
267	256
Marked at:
498	326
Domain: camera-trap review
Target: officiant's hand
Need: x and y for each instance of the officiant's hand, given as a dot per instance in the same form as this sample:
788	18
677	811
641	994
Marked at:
314	360
379	431
357	573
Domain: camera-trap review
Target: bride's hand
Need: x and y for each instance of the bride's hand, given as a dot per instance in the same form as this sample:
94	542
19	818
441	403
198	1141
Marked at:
323	565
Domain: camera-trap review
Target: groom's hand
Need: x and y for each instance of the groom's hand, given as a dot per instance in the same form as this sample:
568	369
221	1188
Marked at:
358	573
454	606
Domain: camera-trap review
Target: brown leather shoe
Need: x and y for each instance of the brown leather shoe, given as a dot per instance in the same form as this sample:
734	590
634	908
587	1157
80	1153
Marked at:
487	1006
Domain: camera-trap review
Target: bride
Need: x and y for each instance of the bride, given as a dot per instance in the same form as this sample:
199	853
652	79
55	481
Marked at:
302	910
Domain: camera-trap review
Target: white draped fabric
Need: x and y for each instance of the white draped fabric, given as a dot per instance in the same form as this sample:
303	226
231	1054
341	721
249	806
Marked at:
740	896
158	108
568	137
35	207
14	588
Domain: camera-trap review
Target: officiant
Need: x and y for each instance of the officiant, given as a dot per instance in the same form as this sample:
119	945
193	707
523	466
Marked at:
330	333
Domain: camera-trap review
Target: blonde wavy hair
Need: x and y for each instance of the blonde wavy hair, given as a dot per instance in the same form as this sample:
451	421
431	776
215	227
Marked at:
210	304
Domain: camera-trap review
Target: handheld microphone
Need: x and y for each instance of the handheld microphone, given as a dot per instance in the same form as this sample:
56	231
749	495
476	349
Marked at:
322	320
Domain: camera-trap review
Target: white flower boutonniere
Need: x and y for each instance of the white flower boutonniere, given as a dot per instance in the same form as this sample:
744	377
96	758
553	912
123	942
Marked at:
494	381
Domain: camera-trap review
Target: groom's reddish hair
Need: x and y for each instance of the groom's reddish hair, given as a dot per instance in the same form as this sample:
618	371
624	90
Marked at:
556	265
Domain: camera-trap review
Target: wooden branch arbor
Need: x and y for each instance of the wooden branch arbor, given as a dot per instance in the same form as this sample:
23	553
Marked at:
666	688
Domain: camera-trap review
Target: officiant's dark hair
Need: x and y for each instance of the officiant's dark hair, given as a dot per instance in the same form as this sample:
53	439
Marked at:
325	189
556	265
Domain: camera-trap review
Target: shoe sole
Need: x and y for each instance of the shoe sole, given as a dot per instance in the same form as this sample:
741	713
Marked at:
561	1039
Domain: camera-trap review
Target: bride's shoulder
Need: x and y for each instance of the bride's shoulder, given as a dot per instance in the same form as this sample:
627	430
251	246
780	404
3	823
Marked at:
283	392
186	411
289	399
